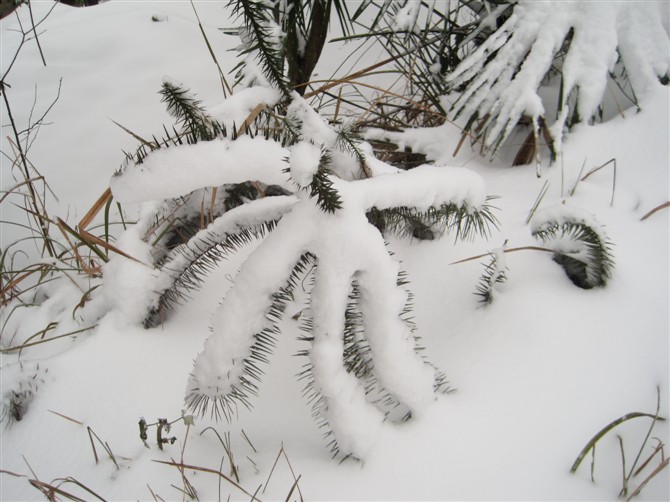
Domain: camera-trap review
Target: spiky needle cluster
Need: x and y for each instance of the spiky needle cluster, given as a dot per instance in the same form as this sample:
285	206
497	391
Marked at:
582	248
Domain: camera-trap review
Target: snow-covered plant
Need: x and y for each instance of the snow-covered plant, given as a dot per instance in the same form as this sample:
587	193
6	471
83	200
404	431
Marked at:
495	274
282	41
427	40
363	351
581	245
17	397
584	42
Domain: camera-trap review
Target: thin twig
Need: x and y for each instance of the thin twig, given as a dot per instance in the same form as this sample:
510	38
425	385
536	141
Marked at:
66	417
510	250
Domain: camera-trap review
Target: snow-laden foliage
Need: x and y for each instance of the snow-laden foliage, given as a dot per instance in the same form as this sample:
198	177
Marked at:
282	41
585	42
494	275
356	287
581	245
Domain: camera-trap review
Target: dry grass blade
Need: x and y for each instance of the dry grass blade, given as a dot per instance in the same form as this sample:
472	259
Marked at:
66	417
655	472
295	484
9	191
224	83
228	449
351	81
136	136
656	209
592	442
332	83
94	271
89	239
92	434
538	201
598	168
156	497
72	480
4	292
210	471
244	128
658	449
511	250
3	471
51	491
282	451
244	435
32	344
67	229
95	209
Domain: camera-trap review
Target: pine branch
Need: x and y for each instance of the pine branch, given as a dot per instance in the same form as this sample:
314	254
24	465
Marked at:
322	186
408	222
258	22
348	142
189	113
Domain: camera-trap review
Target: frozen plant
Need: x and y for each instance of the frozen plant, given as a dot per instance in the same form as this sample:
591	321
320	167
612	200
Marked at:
494	275
581	245
17	397
317	220
583	42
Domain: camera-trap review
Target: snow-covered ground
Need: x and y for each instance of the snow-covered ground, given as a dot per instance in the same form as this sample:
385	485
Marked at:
538	372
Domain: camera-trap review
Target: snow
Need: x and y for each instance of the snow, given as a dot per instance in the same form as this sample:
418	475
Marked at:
304	159
405	18
423	187
538	371
235	110
172	172
128	285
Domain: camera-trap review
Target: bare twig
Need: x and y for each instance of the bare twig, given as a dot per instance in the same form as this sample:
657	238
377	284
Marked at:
510	250
66	417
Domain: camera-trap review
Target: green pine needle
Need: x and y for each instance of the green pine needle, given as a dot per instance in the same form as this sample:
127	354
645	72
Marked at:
592	263
322	186
257	16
